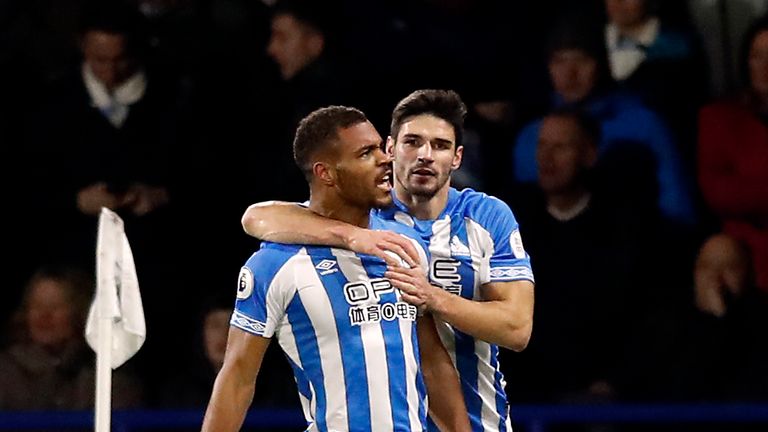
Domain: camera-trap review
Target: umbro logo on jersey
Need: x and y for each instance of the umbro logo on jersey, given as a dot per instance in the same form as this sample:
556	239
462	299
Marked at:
326	267
458	248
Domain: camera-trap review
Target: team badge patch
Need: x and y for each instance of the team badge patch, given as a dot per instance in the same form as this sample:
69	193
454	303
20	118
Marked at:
244	283
516	242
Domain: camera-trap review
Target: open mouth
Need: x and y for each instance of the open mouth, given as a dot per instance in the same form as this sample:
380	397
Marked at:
384	182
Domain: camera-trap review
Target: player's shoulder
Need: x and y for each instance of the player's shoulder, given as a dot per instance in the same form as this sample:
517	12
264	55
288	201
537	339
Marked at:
272	254
479	205
264	266
380	222
403	229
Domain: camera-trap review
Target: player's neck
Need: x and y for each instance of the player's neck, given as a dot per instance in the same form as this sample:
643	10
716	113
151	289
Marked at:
423	207
334	207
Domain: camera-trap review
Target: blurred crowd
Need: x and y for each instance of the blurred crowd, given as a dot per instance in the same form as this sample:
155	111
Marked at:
630	138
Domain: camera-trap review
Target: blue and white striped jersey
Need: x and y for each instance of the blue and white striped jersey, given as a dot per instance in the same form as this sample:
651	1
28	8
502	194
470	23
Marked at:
475	240
350	339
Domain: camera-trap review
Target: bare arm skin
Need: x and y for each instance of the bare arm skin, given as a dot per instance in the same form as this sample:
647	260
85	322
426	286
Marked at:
504	317
285	222
446	402
235	384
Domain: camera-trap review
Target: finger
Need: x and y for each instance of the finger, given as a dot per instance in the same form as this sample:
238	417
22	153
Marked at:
413	272
387	257
390	248
406	249
412	300
398	274
405	287
412	252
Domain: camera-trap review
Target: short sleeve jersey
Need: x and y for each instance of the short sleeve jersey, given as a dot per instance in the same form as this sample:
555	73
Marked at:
474	241
348	336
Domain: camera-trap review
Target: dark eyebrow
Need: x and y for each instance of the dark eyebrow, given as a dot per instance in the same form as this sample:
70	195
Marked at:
438	140
367	147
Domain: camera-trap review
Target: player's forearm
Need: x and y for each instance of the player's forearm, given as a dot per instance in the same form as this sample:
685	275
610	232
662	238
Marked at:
496	322
229	403
283	222
446	402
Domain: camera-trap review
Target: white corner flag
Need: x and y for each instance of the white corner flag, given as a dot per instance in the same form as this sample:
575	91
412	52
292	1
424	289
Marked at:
115	328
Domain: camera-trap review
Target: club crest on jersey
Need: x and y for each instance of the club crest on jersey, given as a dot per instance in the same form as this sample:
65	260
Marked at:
244	283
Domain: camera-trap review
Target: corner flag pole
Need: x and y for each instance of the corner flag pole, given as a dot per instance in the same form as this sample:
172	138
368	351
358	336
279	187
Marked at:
104	375
115	327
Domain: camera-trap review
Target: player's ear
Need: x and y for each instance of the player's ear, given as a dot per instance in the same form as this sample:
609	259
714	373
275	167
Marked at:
390	147
323	173
457	158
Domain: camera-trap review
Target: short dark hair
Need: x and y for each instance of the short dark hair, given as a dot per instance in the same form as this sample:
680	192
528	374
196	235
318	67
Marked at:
586	122
575	31
443	104
117	17
315	14
320	129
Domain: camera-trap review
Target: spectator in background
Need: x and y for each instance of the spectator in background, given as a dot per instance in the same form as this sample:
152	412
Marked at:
50	367
117	121
591	254
106	134
733	156
191	385
664	65
580	77
302	45
723	344
246	108
724	340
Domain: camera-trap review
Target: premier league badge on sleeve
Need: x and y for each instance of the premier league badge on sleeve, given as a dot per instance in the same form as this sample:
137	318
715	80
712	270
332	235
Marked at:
516	241
244	283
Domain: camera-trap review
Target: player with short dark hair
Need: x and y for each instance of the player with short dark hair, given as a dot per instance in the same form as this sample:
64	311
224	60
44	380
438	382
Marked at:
361	358
482	295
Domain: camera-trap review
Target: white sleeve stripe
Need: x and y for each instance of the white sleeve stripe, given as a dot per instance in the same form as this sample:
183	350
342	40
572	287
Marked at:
248	324
511	273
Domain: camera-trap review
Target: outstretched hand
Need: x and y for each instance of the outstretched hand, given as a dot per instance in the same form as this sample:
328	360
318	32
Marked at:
387	245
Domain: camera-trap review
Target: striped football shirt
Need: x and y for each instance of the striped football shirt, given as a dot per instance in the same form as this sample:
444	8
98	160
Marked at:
474	241
348	336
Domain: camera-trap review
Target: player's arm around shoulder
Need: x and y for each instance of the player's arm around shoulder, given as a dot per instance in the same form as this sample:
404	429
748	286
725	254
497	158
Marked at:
446	402
235	384
286	222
